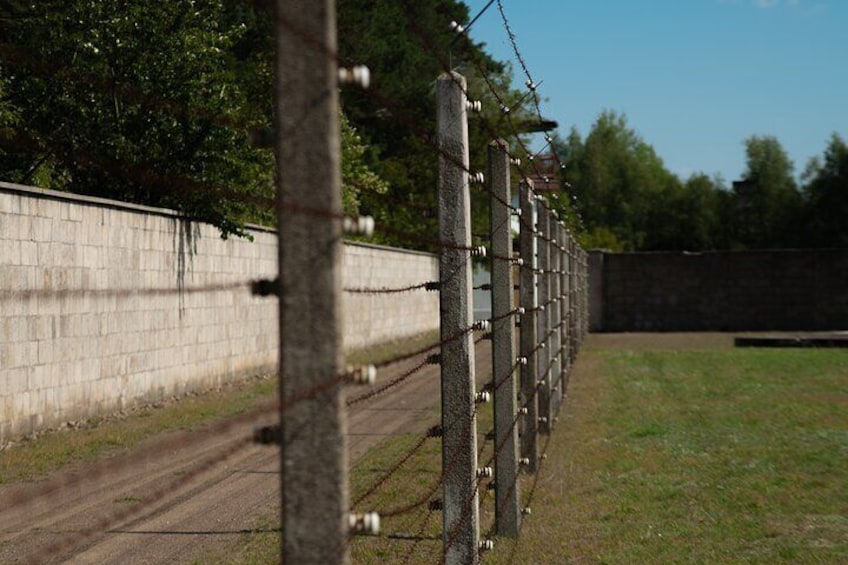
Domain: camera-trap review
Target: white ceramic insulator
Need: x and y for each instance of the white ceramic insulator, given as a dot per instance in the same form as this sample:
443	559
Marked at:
487	545
364	375
519	261
359	75
478	177
474	105
524	461
456	27
515	161
484	472
483	397
543	456
542	309
482	325
368	523
523	411
361	225
543	420
531	85
530	157
479	251
526	511
521	360
521	310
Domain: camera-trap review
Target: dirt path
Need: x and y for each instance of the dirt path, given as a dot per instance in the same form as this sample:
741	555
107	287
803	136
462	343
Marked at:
213	500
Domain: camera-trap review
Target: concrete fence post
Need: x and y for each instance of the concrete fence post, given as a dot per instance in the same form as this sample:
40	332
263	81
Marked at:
572	302
565	367
528	300
313	455
543	322
459	441
556	328
507	513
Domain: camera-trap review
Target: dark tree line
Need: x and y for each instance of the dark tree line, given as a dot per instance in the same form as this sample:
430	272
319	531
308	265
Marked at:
629	200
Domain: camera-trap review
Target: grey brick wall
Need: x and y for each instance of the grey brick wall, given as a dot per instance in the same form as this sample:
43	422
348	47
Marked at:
376	318
789	290
84	330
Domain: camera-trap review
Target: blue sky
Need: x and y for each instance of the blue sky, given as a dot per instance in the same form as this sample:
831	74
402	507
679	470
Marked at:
694	77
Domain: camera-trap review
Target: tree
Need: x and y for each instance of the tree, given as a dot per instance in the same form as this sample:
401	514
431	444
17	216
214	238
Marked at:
826	196
618	180
767	204
150	106
153	106
407	45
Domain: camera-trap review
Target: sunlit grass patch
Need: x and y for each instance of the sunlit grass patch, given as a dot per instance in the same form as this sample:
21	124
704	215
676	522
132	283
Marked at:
722	456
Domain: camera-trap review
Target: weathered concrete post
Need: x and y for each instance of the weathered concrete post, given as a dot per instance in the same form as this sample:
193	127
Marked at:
555	351
543	322
565	369
461	529
314	466
572	301
507	514
528	300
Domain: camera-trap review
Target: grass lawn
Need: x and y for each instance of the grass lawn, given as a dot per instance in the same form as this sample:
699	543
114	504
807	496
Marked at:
688	456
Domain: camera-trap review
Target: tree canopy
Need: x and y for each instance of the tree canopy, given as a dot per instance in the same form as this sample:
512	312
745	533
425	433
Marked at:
630	201
153	106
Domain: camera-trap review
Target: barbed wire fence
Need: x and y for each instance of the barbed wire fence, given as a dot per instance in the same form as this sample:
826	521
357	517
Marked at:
318	520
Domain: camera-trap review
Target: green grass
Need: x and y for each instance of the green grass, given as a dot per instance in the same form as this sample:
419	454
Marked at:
716	456
731	456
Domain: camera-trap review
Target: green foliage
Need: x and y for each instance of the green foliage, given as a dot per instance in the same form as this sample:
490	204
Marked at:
617	178
407	45
826	195
629	200
356	176
123	101
767	205
152	106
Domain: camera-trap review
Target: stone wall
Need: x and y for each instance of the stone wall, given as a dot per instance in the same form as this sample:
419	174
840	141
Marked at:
103	304
376	318
789	290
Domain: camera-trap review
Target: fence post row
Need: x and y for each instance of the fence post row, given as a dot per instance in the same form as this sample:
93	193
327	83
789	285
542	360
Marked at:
461	529
528	300
503	344
543	353
555	351
313	454
565	368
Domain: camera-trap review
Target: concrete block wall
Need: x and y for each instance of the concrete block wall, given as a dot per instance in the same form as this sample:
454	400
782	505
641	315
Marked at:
105	304
789	290
375	318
